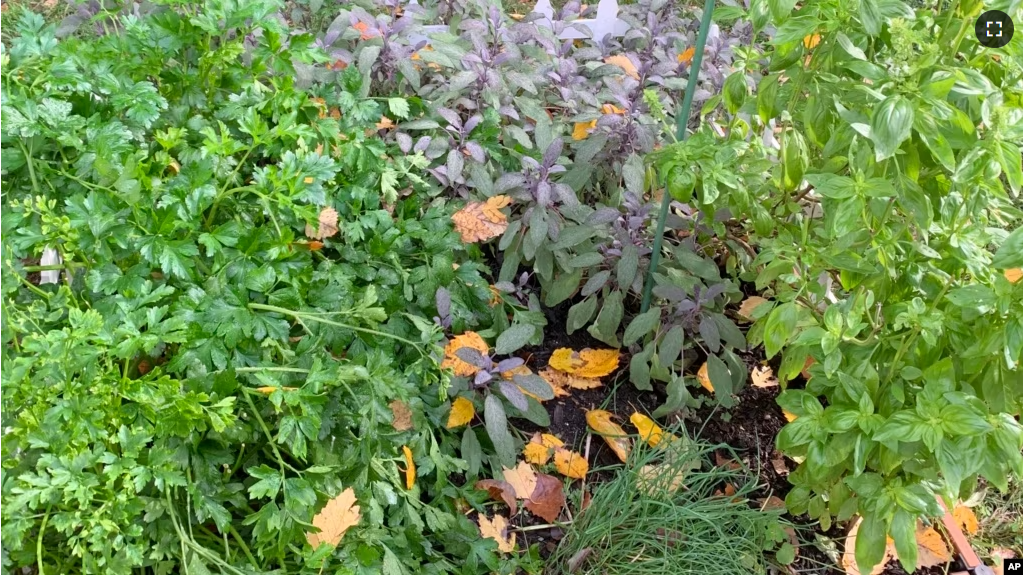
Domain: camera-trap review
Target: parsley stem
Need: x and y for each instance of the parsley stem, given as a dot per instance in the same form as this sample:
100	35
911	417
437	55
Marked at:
314	316
245	548
39	539
271	369
31	169
269	436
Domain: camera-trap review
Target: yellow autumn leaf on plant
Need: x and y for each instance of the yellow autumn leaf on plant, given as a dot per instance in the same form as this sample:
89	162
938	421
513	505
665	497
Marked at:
451	360
1014	274
479	221
461	414
649	431
613	434
811	41
538	449
748	306
570	464
498	530
336	517
622	61
327	222
559	380
789	415
586	363
686	56
580	130
410	468
272	389
612	109
522	478
703	377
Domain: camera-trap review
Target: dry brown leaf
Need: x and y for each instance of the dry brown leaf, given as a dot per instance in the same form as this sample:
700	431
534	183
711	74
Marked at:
580	130
500	489
622	61
725	462
402	416
384	123
771	503
778	463
649	431
522	478
570	464
498	530
748	306
587	363
334	519
687	55
703	377
966	519
539	448
480	221
559	380
805	372
613	434
548	498
410	468
849	555
461	414
451	359
1014	274
763	377
327	225
931	549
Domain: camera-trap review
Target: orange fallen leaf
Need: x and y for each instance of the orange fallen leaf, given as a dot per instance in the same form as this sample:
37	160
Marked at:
384	123
649	431
1014	274
849	555
931	548
334	519
805	373
771	503
811	41
559	380
327	222
966	519
703	377
622	61
337	65
402	416
580	130
498	530
686	56
587	363
748	306
410	468
763	377
479	221
570	464
522	478
461	414
451	360
538	450
612	109
547	499
613	434
500	489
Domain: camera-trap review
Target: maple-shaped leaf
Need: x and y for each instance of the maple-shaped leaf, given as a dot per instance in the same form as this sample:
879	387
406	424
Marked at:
480	221
570	464
402	416
498	530
539	448
327	222
461	414
613	434
410	468
451	359
336	517
622	61
560	380
547	499
500	489
385	123
763	377
748	306
522	478
587	363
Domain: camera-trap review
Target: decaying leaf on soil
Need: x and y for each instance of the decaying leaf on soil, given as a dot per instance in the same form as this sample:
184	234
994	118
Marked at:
547	499
570	464
763	377
451	359
500	489
522	478
540	447
481	221
559	381
616	438
498	530
327	223
462	412
587	363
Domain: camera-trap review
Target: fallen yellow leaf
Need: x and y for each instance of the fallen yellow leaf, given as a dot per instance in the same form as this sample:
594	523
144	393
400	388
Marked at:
327	225
451	359
703	376
334	519
479	221
613	434
966	519
461	414
570	464
622	61
649	431
538	449
410	468
586	363
748	306
580	130
522	478
559	380
763	377
402	416
931	548
687	55
498	530
1014	274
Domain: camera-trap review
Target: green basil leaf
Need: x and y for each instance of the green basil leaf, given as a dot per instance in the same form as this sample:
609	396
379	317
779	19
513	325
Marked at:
890	124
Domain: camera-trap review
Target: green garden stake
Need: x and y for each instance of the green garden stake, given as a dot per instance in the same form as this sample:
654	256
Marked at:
681	119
